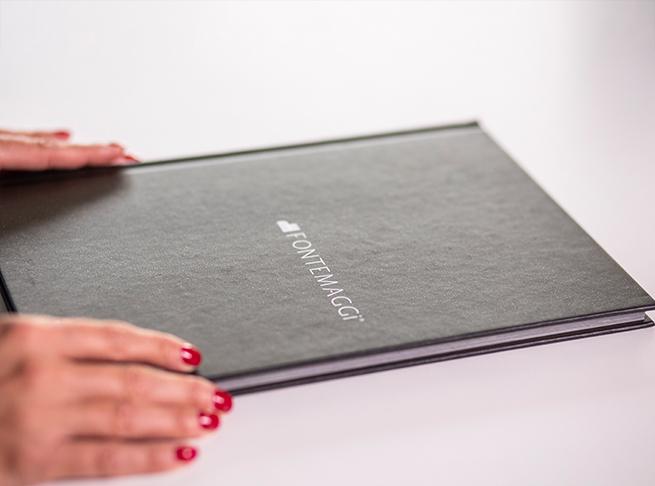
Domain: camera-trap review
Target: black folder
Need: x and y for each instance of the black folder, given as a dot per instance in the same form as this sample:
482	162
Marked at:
300	263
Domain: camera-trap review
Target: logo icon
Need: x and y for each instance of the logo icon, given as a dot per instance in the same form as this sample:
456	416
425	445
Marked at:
287	227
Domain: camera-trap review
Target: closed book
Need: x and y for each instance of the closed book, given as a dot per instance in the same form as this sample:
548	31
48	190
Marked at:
300	263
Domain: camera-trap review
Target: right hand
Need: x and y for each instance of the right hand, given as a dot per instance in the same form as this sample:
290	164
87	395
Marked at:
84	398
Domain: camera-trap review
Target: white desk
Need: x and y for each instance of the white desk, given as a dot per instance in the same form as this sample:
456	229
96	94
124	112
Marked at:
567	88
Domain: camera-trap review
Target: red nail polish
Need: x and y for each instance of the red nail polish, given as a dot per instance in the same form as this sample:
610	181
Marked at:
131	157
190	355
222	400
62	134
208	421
186	453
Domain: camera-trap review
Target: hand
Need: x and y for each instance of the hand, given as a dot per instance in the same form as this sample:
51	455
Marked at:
77	394
51	150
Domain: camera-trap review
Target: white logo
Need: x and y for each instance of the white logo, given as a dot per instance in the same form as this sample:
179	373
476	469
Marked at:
320	271
287	227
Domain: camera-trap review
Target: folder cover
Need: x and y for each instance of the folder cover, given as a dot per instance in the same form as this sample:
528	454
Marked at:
300	263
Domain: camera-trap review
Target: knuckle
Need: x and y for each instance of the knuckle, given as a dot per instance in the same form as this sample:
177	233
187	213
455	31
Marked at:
124	420
156	461
162	347
185	422
108	460
115	337
23	335
133	381
45	143
46	154
200	392
35	375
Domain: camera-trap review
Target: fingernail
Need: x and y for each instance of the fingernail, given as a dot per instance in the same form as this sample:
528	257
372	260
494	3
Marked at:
62	134
222	400
190	355
131	157
208	421
186	453
122	161
125	160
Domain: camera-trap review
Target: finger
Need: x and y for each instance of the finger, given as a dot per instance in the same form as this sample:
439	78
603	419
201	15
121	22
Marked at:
121	341
93	458
53	134
129	420
142	384
88	339
68	156
21	337
42	154
93	339
68	383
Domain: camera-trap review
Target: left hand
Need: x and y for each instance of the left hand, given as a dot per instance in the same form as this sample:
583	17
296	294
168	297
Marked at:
43	150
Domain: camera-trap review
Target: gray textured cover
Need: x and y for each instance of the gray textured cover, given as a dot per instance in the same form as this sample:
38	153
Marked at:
432	234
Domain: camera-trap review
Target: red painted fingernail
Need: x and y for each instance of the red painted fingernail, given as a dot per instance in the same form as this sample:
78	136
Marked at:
190	355
208	421
62	134
186	453
131	157
222	400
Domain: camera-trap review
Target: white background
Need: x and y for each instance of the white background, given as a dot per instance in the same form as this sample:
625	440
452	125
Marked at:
568	89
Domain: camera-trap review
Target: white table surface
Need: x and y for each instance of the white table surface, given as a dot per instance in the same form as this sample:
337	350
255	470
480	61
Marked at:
568	89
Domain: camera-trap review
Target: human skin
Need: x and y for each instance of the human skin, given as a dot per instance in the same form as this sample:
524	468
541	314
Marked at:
82	397
77	394
43	150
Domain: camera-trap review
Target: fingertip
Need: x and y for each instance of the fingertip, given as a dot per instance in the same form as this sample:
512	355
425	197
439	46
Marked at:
125	159
122	161
185	453
222	400
62	134
169	456
120	157
115	149
190	355
209	421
